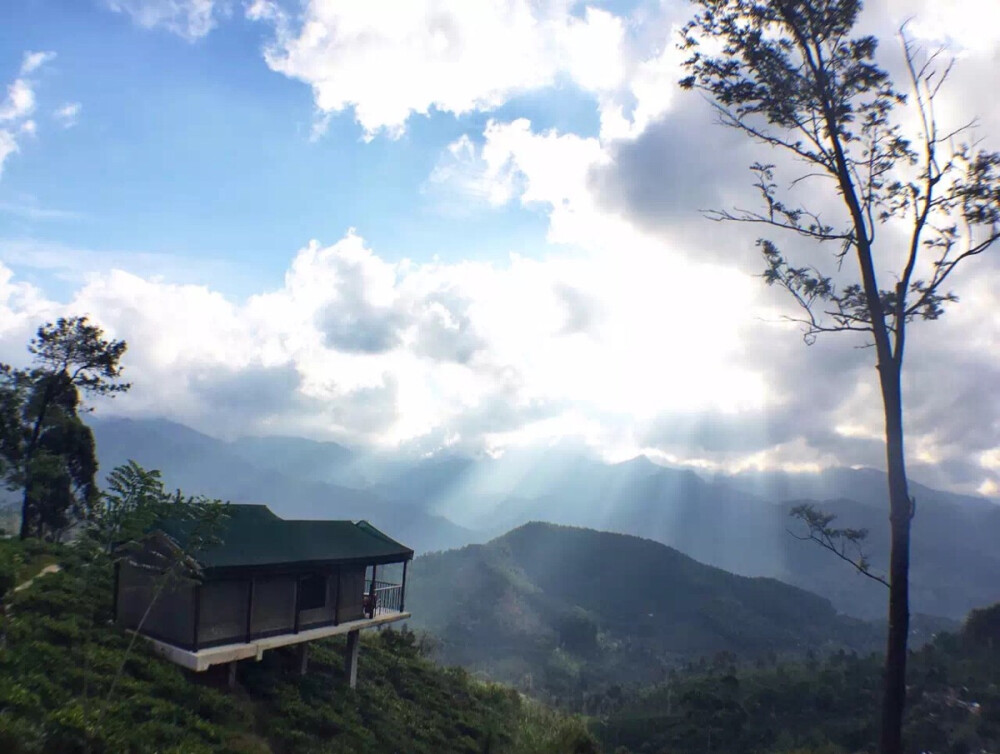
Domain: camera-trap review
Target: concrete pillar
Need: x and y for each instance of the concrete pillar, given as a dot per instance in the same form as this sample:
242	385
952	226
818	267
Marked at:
351	658
303	658
232	674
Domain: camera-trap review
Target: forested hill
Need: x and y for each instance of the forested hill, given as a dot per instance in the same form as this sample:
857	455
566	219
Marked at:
560	608
827	705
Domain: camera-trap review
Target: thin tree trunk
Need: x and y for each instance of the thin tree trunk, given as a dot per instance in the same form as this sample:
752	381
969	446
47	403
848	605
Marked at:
26	509
29	453
900	515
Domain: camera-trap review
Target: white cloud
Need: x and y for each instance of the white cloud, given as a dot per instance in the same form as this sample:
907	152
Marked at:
388	60
967	26
190	19
20	101
815	407
32	61
8	146
469	350
639	349
68	114
632	335
547	170
19	104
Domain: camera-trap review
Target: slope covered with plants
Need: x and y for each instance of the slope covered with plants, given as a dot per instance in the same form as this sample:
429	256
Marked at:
816	706
70	683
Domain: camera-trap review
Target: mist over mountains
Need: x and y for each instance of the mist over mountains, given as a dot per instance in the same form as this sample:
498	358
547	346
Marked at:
735	522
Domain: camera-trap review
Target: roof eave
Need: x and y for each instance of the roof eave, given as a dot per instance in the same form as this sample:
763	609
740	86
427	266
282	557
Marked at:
224	571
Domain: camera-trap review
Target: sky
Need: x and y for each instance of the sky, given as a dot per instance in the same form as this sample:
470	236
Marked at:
454	226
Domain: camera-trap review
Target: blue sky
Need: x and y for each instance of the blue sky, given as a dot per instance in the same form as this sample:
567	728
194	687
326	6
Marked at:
198	150
527	263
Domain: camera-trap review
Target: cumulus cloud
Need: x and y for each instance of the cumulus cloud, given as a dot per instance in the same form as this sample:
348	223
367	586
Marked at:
20	101
386	61
467	340
638	186
634	352
19	104
190	19
642	328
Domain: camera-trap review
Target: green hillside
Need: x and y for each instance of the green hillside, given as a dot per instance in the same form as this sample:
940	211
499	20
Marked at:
821	706
60	654
561	609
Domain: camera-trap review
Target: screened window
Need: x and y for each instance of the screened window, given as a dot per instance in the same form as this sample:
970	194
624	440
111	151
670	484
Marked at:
312	592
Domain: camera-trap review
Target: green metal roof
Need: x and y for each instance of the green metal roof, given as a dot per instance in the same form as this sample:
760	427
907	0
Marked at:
252	536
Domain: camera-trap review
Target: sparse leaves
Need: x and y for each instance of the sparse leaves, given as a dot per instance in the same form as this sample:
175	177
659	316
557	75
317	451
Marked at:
846	543
790	76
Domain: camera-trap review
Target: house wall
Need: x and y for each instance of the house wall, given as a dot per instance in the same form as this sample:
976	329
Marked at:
170	604
273	605
223	614
224	604
352	590
322	615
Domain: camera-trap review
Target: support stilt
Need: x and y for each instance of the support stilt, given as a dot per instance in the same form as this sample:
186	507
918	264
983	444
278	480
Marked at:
351	658
232	674
303	658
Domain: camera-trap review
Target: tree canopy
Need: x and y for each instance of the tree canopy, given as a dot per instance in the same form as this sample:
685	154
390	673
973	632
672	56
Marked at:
46	451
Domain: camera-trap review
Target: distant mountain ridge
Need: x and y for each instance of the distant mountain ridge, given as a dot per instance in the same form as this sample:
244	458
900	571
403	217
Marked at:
199	464
736	522
567	605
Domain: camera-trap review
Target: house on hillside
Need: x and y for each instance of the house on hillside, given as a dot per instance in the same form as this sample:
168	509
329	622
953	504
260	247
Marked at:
267	583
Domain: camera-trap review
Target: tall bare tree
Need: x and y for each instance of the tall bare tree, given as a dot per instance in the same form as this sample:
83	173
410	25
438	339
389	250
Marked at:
794	76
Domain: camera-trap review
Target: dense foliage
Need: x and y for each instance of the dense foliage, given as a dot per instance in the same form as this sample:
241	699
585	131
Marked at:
61	656
827	705
46	451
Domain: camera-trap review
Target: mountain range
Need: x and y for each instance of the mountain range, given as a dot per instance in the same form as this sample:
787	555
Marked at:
562	610
739	522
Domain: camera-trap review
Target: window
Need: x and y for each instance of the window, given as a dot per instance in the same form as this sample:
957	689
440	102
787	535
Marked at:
312	591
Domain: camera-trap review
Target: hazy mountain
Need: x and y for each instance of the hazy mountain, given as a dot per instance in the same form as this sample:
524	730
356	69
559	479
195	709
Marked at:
197	463
955	561
570	605
736	522
304	459
862	485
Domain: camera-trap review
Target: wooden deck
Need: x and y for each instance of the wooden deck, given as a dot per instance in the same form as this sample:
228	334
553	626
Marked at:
205	658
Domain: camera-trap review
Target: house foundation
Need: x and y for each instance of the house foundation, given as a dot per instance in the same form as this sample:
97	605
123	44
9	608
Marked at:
351	658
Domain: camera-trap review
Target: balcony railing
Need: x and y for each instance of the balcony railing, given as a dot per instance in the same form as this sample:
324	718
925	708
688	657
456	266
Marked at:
386	598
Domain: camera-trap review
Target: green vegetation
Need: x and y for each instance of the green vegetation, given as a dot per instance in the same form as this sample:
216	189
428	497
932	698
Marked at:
827	706
61	655
563	611
46	451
